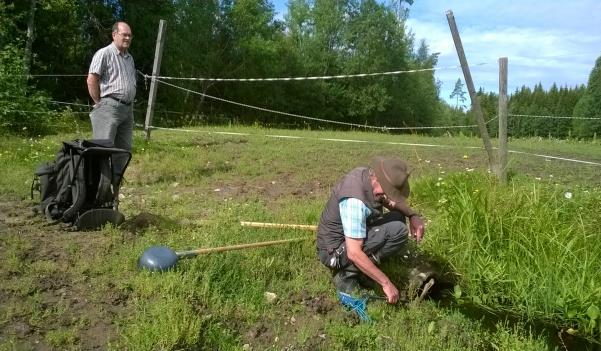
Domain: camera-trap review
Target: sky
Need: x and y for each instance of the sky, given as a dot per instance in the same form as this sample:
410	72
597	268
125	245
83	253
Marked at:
544	41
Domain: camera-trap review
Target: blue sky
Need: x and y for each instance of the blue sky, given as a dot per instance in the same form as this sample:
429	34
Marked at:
544	41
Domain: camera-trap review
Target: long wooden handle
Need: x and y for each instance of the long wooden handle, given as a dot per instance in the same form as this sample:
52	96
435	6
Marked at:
278	225
190	253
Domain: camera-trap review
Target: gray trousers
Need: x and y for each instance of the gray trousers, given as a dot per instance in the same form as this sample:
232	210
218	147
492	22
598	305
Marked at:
385	237
114	121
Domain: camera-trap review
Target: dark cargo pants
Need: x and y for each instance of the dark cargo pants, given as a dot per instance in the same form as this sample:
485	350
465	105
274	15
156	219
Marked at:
114	121
385	237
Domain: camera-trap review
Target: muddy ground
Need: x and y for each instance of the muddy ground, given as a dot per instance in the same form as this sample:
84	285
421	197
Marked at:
46	289
41	291
51	296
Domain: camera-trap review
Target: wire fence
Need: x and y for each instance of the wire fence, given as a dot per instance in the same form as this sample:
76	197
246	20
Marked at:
284	79
366	126
555	117
163	80
292	137
382	128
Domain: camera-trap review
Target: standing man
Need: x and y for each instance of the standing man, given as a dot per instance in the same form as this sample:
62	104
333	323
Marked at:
354	234
112	86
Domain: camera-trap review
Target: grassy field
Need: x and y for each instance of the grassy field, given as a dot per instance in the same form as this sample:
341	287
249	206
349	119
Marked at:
520	261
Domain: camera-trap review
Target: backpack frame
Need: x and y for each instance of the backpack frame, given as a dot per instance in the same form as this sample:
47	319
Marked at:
78	187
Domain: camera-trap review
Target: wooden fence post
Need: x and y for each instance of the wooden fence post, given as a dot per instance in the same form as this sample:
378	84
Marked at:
156	69
472	91
503	119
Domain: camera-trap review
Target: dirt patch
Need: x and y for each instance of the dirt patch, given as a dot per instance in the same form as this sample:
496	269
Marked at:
43	294
301	312
281	187
260	334
146	220
315	304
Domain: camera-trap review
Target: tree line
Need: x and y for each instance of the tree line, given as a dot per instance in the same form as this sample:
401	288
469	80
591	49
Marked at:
236	39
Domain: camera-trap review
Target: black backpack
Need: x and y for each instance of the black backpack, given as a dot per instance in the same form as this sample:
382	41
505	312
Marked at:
78	186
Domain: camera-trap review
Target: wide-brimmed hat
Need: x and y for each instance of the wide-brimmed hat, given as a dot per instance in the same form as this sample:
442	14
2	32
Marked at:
393	175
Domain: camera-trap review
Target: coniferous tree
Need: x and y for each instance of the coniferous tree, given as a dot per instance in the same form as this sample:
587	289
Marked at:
589	106
458	94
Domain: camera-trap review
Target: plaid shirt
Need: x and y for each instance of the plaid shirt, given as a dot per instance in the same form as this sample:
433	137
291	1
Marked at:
116	72
353	214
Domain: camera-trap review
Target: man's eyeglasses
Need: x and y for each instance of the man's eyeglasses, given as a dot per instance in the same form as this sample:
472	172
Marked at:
125	35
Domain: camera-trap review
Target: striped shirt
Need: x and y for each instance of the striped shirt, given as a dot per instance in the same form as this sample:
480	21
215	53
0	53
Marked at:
117	73
353	215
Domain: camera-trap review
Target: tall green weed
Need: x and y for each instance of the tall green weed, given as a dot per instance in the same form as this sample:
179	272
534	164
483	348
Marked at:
530	249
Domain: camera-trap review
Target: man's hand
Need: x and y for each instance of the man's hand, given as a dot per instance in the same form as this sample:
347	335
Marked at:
391	292
417	227
356	255
416	224
93	82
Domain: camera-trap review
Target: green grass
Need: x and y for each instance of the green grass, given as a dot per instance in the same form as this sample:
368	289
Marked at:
521	248
62	338
530	249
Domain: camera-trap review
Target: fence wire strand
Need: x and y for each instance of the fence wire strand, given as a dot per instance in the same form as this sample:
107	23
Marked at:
280	79
312	118
287	137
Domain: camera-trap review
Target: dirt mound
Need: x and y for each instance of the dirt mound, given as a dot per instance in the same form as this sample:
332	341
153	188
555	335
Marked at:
146	220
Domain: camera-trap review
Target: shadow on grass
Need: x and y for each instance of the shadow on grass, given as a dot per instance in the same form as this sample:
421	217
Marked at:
416	263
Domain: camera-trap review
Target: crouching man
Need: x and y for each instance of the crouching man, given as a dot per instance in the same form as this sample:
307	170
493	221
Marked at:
354	234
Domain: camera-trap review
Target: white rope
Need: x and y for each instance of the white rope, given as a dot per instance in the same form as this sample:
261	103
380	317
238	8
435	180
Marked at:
257	79
557	117
68	103
33	112
177	113
46	75
341	76
194	131
87	112
313	118
45	112
268	110
370	142
557	158
49	101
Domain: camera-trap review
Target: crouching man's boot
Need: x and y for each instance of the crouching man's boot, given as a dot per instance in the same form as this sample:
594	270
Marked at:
346	281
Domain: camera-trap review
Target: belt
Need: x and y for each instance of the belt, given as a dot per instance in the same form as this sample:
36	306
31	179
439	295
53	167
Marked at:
118	100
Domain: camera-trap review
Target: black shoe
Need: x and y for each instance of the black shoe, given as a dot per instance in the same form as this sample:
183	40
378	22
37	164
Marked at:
346	281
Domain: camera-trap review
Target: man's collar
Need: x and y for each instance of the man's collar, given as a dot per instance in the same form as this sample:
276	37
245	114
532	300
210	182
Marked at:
114	48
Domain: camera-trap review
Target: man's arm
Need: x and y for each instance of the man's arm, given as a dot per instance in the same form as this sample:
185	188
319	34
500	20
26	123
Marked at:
416	224
353	214
401	207
94	87
356	255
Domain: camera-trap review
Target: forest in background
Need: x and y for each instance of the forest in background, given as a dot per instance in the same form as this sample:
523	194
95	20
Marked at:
47	45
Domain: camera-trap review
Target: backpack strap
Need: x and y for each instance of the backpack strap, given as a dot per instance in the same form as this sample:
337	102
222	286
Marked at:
77	187
105	192
57	194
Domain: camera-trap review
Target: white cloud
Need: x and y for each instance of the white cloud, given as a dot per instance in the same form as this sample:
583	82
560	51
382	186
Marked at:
544	41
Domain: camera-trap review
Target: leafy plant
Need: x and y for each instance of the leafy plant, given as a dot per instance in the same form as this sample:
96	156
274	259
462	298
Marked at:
22	109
